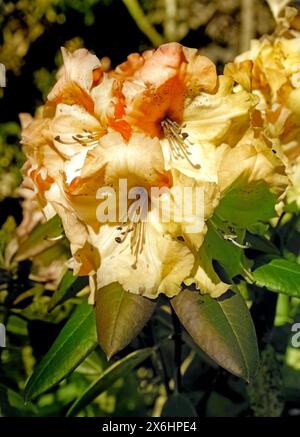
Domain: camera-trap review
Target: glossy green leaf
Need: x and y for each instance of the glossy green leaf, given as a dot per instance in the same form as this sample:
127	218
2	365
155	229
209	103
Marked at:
40	238
117	370
69	286
222	328
120	317
178	405
75	341
246	204
279	275
230	256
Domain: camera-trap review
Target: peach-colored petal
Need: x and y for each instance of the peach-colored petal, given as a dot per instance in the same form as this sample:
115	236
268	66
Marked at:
160	82
116	159
73	130
160	267
241	73
200	73
256	162
78	68
80	72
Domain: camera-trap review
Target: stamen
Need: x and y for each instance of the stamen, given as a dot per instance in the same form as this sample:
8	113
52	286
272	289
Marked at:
59	237
85	139
137	241
178	140
232	238
124	230
137	237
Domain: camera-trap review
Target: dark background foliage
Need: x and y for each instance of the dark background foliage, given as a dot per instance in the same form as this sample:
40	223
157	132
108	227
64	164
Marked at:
32	34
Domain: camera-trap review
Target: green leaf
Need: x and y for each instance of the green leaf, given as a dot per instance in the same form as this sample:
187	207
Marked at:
257	242
120	317
222	328
12	404
244	205
221	255
7	232
230	256
178	405
279	275
17	326
94	364
75	341
40	238
69	286
117	370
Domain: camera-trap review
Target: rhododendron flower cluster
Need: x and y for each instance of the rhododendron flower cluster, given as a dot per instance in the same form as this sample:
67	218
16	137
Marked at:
163	119
271	71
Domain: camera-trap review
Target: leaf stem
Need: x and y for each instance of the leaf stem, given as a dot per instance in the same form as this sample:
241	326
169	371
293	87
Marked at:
159	363
177	352
163	370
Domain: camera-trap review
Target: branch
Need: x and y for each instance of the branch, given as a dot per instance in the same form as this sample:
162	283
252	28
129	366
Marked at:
170	20
247	24
142	22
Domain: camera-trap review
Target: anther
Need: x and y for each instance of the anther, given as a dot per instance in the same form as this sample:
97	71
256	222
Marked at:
178	141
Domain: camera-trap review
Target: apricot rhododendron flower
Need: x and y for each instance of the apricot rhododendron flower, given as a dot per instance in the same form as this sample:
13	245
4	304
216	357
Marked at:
164	120
271	71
